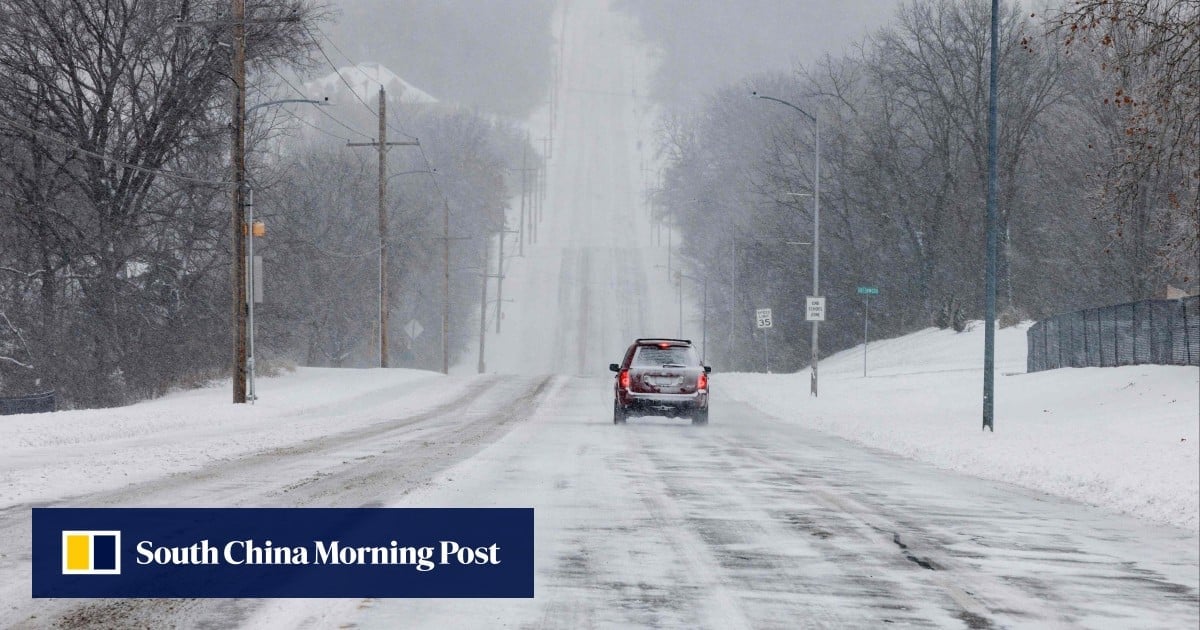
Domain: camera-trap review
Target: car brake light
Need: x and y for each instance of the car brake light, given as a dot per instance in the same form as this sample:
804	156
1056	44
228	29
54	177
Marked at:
702	382
624	378
664	345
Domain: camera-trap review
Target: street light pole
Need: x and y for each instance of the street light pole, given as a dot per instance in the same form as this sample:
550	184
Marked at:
816	325
989	324
250	290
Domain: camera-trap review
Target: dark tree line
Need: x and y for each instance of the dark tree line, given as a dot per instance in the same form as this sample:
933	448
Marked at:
114	129
903	176
114	203
322	249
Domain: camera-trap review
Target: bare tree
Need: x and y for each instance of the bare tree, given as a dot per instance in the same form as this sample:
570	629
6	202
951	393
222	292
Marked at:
1150	50
117	117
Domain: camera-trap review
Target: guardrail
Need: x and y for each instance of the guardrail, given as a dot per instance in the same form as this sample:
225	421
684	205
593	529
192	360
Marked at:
1164	332
33	403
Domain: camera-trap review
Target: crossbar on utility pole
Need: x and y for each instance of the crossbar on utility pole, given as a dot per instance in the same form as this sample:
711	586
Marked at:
382	145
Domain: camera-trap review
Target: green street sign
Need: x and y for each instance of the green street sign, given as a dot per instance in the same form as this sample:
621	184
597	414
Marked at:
868	290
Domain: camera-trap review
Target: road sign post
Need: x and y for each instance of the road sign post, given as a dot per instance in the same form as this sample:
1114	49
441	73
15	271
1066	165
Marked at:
762	317
866	292
815	309
413	329
764	321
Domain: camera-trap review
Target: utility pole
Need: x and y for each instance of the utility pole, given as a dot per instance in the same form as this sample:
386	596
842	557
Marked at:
535	213
548	146
499	280
500	276
238	158
445	285
525	195
484	275
524	186
446	238
382	146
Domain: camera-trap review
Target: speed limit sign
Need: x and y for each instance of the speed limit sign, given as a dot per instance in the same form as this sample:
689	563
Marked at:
763	317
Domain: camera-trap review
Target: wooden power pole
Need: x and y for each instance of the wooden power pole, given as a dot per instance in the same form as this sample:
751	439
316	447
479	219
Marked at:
237	152
238	158
484	275
382	146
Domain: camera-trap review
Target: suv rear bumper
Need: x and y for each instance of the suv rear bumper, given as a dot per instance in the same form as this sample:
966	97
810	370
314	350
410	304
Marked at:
663	402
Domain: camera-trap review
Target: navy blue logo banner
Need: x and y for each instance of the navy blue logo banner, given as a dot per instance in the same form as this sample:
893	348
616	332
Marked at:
282	552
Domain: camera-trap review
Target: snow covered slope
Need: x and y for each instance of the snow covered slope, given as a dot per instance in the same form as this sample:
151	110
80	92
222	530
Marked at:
1122	438
365	79
69	453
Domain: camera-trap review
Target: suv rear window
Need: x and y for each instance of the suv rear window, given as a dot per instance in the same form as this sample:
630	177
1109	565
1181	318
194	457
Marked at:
656	356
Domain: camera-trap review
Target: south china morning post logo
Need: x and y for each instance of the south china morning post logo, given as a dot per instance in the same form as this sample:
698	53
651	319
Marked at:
91	552
283	552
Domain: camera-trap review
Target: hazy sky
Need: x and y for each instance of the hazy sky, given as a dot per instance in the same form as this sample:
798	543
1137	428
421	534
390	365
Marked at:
496	54
707	44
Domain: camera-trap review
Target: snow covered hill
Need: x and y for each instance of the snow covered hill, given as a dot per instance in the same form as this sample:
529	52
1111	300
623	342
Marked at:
1121	438
365	79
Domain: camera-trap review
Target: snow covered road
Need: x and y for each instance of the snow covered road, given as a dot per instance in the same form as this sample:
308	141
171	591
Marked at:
751	522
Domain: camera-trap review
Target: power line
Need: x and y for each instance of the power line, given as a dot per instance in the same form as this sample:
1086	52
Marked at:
332	65
344	80
322	111
108	158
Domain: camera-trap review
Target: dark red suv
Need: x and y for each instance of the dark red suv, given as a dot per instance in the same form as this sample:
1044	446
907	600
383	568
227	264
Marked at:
661	377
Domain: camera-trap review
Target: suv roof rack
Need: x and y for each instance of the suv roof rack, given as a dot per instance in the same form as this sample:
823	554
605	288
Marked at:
687	341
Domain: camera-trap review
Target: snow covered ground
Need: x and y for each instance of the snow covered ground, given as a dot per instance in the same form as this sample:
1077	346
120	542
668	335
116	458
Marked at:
71	453
1127	439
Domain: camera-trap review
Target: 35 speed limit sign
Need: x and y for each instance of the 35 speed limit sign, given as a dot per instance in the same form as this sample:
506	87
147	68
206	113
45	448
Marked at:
763	317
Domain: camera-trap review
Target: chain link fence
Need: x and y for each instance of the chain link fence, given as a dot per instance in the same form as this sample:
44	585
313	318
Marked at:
1164	332
34	403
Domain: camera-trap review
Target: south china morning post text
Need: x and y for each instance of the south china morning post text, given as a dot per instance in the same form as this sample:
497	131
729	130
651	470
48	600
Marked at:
283	552
239	552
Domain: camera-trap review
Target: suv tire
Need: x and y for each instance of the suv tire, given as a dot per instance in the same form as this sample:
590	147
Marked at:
700	417
619	415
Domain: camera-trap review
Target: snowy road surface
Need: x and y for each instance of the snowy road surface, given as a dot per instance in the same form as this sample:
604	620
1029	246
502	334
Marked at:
754	521
750	522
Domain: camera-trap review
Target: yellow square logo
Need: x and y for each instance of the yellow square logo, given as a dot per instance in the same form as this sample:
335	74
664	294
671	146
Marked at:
91	552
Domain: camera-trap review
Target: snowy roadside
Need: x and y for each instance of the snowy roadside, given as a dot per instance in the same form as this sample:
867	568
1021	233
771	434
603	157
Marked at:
1121	438
71	453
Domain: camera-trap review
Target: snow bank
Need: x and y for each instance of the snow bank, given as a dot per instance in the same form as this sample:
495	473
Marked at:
1121	438
70	453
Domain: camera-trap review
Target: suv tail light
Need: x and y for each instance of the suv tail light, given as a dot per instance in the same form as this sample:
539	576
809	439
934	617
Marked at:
702	382
623	378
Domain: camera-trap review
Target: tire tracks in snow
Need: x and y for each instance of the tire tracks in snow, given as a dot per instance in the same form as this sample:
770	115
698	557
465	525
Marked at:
720	606
888	532
363	467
